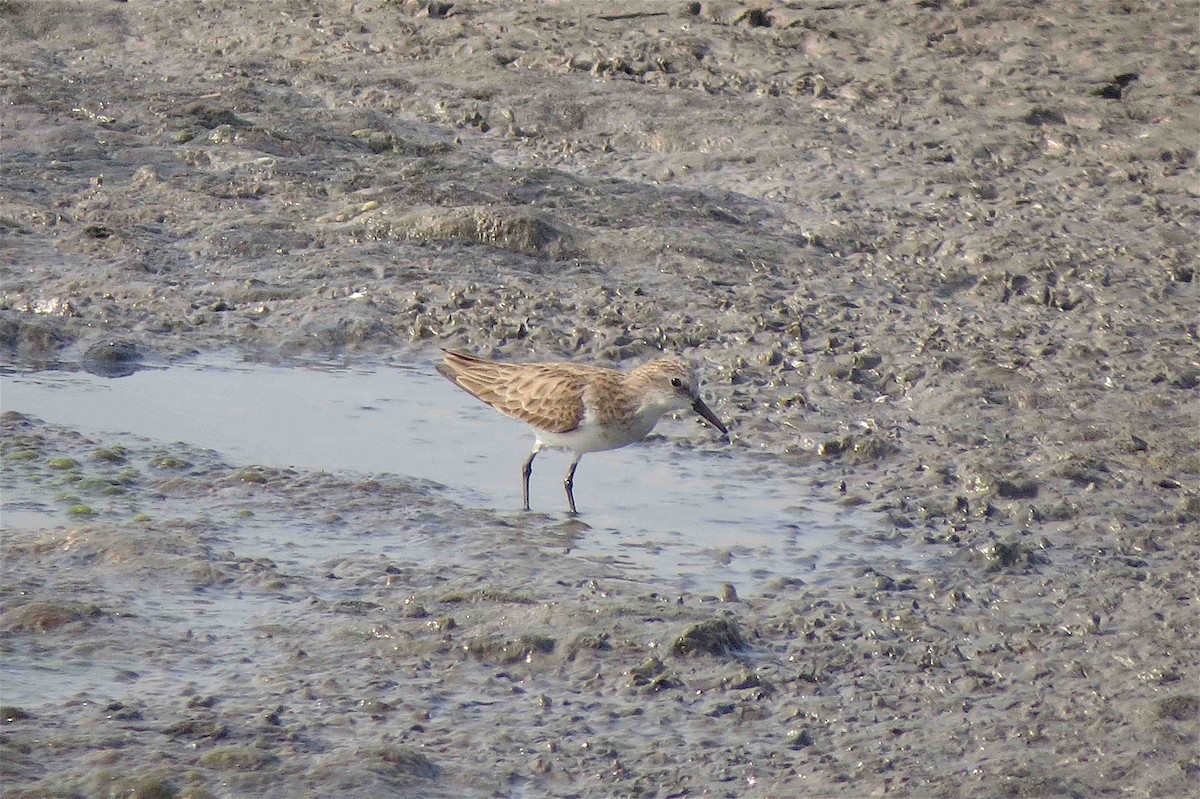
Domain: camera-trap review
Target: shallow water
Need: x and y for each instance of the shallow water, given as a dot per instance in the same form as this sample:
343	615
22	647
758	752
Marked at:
692	520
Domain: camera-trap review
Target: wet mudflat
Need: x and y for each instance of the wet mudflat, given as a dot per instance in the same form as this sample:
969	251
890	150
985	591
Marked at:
154	585
935	261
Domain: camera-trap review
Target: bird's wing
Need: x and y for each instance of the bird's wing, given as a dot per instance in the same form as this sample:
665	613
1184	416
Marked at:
547	396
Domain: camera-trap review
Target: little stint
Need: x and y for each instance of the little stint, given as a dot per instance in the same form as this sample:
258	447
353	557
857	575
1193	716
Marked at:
576	407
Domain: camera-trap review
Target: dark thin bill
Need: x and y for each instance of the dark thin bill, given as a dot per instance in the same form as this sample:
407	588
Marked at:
699	407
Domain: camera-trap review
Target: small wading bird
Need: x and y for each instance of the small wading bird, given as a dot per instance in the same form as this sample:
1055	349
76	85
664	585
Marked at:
580	408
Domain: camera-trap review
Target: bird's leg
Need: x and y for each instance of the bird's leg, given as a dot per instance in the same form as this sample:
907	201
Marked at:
569	484
527	470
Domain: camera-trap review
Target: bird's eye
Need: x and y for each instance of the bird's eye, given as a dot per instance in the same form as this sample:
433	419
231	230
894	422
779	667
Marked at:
676	382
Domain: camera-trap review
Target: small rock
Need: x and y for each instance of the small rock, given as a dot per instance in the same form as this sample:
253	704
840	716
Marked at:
1044	116
799	739
716	637
1017	489
111	359
1114	89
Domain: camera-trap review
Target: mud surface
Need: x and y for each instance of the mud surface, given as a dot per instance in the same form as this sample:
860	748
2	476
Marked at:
941	255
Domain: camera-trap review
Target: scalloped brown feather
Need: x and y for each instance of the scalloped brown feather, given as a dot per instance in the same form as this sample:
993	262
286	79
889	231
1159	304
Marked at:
548	396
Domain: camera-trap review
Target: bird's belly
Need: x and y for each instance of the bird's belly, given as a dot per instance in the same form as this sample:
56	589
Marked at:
593	437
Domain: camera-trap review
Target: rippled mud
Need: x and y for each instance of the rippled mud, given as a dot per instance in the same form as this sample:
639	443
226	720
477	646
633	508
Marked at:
149	642
939	258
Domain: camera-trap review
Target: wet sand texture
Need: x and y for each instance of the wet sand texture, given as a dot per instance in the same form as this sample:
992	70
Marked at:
943	253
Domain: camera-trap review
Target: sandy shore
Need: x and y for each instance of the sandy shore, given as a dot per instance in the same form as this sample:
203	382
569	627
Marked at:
940	254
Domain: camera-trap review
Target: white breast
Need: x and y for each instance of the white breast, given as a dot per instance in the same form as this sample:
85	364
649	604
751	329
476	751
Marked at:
591	436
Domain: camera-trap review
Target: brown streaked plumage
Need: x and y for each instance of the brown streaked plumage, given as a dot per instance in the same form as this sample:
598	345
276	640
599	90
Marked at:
577	407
